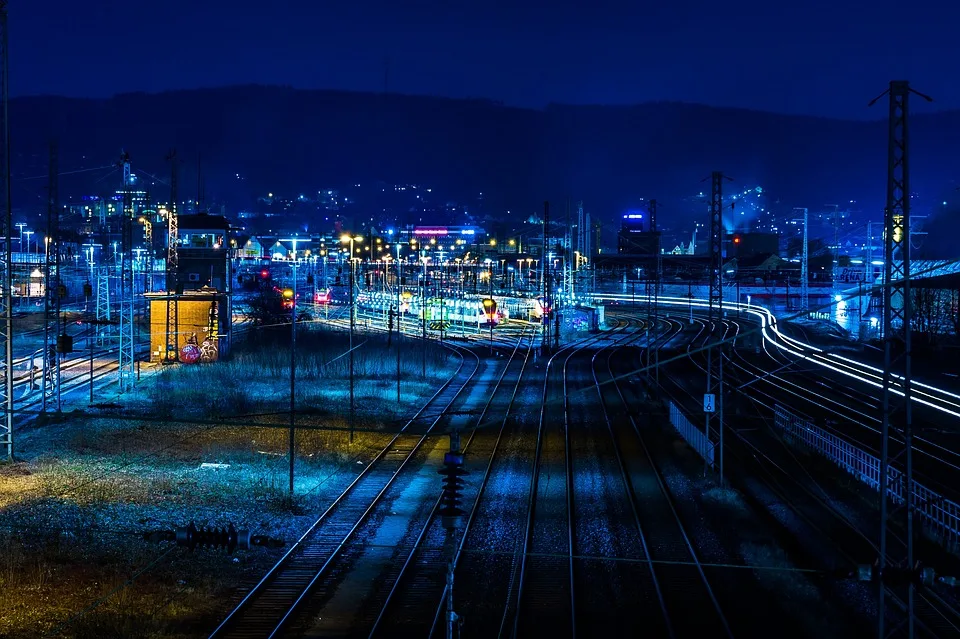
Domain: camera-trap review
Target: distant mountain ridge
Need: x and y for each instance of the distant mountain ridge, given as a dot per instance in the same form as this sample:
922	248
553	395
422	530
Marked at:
288	140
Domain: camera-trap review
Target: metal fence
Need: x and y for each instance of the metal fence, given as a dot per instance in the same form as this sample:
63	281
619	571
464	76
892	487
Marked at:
693	435
939	515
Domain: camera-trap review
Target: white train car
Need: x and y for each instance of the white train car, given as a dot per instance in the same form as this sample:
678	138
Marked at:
469	311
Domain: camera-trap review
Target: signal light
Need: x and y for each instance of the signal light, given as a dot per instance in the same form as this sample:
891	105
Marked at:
736	239
265	274
450	512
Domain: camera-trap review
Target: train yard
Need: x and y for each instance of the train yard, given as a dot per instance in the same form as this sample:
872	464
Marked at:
584	512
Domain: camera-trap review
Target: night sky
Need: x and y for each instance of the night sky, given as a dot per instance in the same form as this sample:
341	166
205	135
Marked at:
814	57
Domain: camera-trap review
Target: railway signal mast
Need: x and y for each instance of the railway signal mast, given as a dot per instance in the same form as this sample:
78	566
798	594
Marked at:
897	499
6	296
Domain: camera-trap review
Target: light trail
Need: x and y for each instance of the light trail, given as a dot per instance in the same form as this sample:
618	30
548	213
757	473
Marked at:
845	366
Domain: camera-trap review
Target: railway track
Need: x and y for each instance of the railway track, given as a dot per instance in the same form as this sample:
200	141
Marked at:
489	552
782	476
545	592
680	584
411	605
276	600
621	593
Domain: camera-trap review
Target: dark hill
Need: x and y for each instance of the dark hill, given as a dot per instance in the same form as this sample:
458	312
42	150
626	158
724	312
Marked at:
287	140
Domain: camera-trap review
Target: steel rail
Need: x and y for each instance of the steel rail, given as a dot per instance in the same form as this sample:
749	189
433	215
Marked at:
431	520
261	589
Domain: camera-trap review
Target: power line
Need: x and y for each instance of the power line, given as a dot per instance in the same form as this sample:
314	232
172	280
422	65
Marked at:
38	177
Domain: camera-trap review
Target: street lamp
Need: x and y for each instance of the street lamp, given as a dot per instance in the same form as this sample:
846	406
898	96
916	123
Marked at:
28	234
291	294
20	226
351	239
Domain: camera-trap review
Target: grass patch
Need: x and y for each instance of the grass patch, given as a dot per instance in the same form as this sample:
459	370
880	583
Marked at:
256	378
73	514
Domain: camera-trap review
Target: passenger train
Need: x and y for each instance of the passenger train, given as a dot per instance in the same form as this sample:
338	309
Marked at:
469	311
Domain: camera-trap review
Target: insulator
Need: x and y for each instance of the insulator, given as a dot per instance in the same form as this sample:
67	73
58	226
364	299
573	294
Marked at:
450	512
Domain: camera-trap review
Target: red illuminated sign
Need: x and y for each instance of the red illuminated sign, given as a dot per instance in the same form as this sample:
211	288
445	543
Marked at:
430	231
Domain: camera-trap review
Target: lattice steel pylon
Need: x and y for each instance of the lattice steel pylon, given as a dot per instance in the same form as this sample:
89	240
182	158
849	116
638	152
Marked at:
126	358
50	385
6	296
103	303
896	460
804	263
715	295
715	309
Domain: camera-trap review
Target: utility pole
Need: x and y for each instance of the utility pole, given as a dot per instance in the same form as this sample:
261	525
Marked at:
868	277
440	298
353	326
293	376
544	341
836	238
50	384
490	319
399	317
804	262
172	341
657	283
897	421
423	313
6	432
713	399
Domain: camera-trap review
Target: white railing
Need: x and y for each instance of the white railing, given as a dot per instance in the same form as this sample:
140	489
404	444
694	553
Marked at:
691	434
939	515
